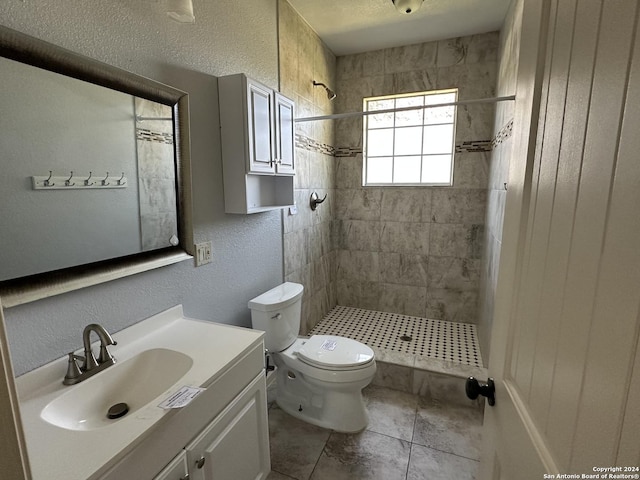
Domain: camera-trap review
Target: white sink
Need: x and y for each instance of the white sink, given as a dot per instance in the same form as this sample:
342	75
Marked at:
135	382
67	433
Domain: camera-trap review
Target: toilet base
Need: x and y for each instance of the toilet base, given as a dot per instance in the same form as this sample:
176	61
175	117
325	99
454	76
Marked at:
340	409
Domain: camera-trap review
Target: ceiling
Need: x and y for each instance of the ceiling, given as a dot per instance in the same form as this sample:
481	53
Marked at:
354	26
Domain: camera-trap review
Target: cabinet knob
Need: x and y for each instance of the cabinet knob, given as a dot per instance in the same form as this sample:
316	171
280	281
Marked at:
200	462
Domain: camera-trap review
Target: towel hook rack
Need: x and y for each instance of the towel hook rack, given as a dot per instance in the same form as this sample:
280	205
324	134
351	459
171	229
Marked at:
67	182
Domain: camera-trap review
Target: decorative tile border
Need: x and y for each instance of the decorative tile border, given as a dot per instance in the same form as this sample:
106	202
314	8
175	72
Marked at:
503	134
312	145
472	146
348	151
147	135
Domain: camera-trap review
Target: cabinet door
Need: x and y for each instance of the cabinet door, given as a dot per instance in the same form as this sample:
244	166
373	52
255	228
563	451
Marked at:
285	135
176	470
235	446
261	135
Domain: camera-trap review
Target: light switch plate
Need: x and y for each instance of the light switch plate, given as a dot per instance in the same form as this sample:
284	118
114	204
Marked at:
203	253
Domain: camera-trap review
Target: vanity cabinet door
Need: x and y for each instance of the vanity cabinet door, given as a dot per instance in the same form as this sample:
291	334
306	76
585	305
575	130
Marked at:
235	446
177	470
285	134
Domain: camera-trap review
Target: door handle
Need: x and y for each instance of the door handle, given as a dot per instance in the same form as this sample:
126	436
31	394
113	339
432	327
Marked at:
474	388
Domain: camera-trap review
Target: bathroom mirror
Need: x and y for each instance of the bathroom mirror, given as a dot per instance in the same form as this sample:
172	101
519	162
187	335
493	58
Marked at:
96	178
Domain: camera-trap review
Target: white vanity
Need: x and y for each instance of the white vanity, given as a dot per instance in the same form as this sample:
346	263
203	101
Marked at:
222	433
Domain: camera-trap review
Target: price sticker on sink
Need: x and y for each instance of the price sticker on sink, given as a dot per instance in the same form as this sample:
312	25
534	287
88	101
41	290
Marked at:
181	398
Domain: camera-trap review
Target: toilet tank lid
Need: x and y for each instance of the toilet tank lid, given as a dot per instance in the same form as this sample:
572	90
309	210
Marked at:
277	298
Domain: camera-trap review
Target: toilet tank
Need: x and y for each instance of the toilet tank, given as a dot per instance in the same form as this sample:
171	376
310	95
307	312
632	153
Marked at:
277	313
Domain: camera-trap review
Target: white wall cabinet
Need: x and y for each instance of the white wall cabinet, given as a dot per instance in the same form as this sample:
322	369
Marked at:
258	154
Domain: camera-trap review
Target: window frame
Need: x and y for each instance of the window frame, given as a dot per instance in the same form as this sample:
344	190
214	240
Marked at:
365	135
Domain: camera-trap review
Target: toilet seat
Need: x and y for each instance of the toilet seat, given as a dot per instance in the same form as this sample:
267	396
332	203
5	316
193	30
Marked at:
291	359
331	352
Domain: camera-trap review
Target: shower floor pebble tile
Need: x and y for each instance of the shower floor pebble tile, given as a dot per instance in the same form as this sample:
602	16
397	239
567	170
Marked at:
420	338
393	446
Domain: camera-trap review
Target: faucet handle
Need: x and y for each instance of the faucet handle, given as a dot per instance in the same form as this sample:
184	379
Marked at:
105	356
73	370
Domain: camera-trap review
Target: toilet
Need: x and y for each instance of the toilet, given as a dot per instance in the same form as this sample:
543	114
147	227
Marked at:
319	378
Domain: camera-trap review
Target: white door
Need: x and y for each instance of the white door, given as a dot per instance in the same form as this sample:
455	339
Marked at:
565	340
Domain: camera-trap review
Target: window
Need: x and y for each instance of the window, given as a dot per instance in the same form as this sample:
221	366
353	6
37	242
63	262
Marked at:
409	147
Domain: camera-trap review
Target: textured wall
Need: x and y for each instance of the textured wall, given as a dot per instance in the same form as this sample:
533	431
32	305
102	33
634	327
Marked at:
498	174
228	37
414	250
309	256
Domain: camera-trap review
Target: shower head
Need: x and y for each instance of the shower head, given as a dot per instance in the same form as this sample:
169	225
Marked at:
330	93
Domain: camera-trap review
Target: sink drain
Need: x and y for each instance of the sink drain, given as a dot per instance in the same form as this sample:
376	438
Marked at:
406	338
118	410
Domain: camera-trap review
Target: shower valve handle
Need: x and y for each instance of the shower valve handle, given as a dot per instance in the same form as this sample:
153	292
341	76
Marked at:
474	388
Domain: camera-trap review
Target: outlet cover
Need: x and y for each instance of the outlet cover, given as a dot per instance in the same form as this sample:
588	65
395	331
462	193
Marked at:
203	253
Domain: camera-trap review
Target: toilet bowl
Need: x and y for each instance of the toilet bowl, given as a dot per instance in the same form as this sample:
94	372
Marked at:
319	378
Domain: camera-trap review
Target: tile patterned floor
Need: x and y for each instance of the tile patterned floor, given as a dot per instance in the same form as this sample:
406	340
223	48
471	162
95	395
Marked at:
439	339
408	438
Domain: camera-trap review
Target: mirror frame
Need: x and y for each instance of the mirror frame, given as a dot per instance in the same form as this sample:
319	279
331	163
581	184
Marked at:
23	48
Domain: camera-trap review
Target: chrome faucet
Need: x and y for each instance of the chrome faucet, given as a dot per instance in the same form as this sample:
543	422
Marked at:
90	366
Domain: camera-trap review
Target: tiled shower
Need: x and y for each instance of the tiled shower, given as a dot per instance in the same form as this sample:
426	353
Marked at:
410	251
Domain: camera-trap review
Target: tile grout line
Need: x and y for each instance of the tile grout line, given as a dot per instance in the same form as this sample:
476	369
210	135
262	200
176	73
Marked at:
444	451
320	456
413	434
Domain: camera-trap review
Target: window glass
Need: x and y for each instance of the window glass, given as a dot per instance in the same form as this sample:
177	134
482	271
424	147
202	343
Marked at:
379	169
409	117
408	141
411	146
437	139
407	169
380	142
437	169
